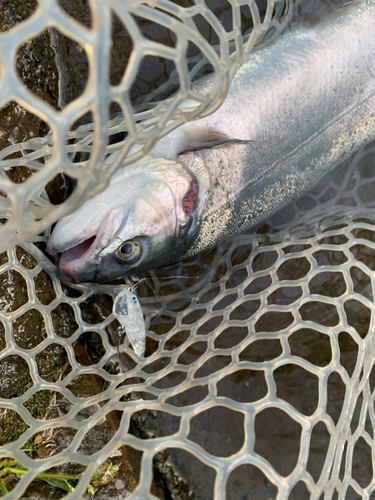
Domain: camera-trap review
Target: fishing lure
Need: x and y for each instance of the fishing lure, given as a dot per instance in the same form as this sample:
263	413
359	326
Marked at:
128	312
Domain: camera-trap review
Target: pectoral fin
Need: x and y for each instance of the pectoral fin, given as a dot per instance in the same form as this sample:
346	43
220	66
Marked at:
208	139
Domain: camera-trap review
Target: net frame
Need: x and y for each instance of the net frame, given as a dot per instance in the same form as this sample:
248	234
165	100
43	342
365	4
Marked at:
308	228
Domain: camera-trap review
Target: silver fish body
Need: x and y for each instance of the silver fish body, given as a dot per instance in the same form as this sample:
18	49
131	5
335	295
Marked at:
307	102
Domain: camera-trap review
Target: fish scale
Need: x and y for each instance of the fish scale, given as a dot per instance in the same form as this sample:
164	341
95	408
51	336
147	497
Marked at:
303	105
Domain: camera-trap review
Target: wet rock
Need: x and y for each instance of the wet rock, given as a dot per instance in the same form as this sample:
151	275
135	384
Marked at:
14	377
13	291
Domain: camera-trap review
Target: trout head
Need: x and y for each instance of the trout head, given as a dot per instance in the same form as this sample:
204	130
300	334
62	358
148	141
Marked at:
146	218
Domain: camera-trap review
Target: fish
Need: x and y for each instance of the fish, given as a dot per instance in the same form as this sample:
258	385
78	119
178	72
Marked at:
294	111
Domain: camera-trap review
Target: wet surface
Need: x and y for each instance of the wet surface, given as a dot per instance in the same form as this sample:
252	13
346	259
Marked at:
280	444
35	62
176	471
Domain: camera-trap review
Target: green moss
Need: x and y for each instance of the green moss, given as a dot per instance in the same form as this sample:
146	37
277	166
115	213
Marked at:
38	403
85	386
51	361
11	427
131	483
34	450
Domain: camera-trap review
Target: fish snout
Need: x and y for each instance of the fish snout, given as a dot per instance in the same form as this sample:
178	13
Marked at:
67	274
51	248
73	272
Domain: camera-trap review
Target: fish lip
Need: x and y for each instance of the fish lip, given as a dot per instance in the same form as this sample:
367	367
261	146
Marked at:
78	251
73	260
54	249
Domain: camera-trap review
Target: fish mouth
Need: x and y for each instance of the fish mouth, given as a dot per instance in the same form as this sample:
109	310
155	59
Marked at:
73	256
79	251
76	262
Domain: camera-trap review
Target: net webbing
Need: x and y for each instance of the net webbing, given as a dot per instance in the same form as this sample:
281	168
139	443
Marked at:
258	380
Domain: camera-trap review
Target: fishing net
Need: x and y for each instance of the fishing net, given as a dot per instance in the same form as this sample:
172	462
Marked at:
110	74
258	379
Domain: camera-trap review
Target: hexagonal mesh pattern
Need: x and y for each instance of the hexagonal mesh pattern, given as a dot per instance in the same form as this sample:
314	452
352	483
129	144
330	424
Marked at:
258	369
258	379
108	82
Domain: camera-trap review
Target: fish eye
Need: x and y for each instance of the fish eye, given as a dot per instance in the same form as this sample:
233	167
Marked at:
129	250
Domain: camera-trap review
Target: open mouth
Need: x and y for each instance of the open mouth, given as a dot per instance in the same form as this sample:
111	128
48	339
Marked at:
191	196
78	251
78	261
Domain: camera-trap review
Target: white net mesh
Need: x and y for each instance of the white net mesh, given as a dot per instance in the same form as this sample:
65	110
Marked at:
258	380
24	205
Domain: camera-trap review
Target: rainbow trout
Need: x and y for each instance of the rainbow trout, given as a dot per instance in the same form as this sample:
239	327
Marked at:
294	111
